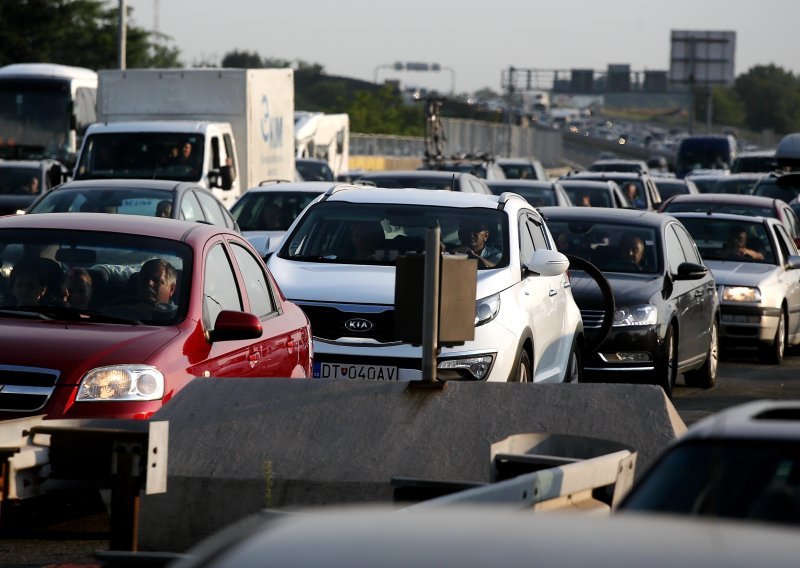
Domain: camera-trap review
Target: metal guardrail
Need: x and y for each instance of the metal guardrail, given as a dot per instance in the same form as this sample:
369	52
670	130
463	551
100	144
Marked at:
38	456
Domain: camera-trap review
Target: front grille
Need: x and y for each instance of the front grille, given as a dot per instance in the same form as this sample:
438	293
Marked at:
328	322
592	319
25	389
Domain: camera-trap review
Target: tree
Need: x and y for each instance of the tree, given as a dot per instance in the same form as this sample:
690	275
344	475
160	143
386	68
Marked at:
771	97
243	60
77	32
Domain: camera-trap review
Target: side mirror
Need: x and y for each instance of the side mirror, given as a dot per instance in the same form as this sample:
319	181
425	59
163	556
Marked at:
213	179
232	325
260	243
793	262
691	271
547	263
55	175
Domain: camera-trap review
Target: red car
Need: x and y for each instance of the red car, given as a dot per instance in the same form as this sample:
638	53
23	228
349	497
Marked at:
108	316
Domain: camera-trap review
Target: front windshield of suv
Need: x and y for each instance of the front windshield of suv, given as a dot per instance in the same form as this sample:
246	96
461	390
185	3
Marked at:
356	233
607	245
93	276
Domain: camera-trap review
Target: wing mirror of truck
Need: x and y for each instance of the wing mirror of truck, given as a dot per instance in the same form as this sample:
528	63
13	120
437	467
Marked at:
222	177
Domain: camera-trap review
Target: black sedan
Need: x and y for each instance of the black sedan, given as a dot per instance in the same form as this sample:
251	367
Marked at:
147	197
667	311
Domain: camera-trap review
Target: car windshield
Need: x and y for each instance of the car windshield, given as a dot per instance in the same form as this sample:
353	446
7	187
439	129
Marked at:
92	276
356	233
727	239
314	171
706	185
589	196
127	201
521	171
20	181
769	188
607	245
536	196
270	210
733	185
668	189
418	182
742	479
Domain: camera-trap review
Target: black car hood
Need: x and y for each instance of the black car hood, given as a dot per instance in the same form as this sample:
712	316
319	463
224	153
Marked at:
629	289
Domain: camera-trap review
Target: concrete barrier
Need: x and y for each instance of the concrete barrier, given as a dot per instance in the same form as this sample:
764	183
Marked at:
240	445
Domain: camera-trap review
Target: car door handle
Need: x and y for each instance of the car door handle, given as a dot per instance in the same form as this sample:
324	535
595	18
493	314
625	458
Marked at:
552	292
567	284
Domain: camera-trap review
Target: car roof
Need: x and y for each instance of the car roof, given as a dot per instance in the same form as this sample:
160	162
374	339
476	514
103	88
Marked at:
411	196
295	186
172	229
430	174
162	184
541	184
757	154
757	420
725	216
606	175
755	200
33	164
606	215
515	161
741	175
588	183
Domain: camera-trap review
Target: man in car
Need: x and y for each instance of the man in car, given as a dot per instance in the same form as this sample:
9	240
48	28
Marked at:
474	236
155	286
631	252
736	247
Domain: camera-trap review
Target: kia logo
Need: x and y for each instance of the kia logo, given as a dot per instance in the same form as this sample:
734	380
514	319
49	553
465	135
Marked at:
358	325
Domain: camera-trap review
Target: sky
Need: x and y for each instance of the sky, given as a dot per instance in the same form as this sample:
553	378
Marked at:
473	41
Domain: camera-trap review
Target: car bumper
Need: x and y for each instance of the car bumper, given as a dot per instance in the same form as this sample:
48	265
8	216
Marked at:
748	325
491	340
629	354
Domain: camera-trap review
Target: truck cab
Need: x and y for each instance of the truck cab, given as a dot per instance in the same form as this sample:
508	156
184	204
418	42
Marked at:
196	151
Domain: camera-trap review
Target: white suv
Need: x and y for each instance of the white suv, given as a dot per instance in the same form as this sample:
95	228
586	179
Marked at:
527	325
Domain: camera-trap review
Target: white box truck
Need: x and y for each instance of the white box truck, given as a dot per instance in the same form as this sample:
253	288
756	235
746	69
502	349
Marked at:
324	137
226	129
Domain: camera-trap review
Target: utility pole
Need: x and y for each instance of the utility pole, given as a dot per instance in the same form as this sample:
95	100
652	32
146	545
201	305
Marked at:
121	35
509	107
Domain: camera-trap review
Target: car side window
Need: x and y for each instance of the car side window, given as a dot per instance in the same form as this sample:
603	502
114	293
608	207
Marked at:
256	282
785	243
190	208
689	247
526	246
790	216
219	286
675	254
540	240
211	208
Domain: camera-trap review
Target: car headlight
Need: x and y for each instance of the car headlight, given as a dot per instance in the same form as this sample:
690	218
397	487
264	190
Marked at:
476	367
121	382
741	294
646	314
486	309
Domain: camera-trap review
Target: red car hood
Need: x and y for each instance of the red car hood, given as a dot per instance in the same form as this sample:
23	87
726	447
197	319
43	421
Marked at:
74	348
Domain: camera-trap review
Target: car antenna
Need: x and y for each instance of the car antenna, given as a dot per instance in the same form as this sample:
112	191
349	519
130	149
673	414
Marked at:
453	183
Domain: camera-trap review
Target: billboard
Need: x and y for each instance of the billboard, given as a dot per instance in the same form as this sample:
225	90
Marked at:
702	57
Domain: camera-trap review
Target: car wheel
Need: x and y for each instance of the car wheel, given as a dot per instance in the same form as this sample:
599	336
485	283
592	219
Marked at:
706	376
574	373
668	367
772	354
524	370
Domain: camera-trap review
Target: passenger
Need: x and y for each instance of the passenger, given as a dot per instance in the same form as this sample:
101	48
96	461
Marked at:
367	238
474	236
631	252
37	281
736	247
632	193
164	209
79	288
155	286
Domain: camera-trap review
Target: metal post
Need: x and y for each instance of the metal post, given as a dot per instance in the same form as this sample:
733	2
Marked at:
430	305
122	35
709	108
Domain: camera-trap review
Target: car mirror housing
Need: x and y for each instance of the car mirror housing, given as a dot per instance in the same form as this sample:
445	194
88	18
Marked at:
690	271
793	262
232	325
547	263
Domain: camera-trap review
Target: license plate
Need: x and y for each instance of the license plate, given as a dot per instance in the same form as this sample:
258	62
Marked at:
354	372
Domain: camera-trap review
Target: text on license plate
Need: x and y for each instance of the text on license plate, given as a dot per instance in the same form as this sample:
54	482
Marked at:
354	372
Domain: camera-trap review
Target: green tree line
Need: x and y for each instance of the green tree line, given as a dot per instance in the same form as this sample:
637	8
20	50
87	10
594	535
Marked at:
84	33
